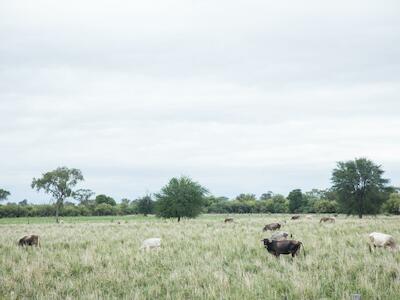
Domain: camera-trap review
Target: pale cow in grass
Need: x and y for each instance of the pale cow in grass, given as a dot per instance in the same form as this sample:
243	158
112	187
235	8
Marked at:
379	239
151	243
280	235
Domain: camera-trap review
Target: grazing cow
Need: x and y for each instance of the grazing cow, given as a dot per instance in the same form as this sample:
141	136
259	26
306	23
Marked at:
327	219
228	220
295	217
382	240
272	226
29	240
280	235
151	243
282	247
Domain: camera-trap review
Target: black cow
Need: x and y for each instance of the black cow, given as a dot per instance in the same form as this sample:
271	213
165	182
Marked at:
29	240
282	247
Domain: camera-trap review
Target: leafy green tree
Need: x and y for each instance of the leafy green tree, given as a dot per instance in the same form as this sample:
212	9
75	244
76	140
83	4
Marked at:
246	197
23	202
295	198
145	205
326	206
278	204
105	199
181	197
392	205
59	184
104	209
360	186
4	194
266	196
214	204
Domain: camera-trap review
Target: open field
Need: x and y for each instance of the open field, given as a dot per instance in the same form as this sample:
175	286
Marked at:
204	258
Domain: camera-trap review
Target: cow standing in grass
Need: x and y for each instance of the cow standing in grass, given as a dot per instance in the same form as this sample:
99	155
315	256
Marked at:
327	219
29	240
379	239
282	247
151	243
280	235
272	226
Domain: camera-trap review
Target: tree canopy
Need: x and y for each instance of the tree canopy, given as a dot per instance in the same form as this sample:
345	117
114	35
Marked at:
105	199
295	198
58	183
181	197
145	205
360	186
4	194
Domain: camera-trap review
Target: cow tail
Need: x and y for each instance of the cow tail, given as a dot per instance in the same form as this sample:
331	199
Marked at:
304	250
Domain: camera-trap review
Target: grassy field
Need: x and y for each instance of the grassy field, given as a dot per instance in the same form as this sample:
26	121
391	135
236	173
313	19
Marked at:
91	258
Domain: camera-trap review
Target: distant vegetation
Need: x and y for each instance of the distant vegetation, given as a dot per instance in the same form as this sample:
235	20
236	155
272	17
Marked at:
358	188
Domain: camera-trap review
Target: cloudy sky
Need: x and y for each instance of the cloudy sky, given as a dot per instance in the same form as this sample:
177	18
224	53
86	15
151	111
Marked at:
242	96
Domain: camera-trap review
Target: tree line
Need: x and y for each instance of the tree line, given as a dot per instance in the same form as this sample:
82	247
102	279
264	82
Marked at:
358	187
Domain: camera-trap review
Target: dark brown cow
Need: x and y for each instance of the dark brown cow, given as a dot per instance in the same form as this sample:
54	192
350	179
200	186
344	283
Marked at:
228	220
282	247
29	240
272	226
296	217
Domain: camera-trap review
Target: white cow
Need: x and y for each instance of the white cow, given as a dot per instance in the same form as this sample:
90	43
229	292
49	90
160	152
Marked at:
379	239
279	236
151	243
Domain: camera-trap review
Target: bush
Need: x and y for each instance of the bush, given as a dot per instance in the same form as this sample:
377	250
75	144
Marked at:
392	205
326	206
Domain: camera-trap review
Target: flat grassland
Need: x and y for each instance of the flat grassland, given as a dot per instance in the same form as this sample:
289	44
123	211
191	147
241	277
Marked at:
203	258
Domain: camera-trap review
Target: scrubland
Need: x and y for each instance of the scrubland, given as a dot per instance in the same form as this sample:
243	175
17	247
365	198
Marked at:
200	258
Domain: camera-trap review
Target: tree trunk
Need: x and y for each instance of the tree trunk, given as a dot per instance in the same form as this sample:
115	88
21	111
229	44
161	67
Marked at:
179	218
57	208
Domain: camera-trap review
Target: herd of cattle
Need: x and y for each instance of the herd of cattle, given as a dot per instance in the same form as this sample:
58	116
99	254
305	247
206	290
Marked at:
277	244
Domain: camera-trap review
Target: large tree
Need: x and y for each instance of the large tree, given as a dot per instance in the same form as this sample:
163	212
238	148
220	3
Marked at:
59	183
295	198
105	199
145	205
4	194
359	186
181	197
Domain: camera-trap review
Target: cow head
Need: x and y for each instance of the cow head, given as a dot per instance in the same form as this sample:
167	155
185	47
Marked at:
266	242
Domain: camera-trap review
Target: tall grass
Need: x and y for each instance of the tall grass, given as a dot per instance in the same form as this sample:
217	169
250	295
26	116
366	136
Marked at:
199	259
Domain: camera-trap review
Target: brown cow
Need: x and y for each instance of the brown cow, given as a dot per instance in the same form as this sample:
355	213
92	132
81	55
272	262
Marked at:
295	217
272	226
29	240
282	247
227	220
327	219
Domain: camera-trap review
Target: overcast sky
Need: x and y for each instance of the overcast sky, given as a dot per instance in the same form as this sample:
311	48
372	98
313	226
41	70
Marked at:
242	96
